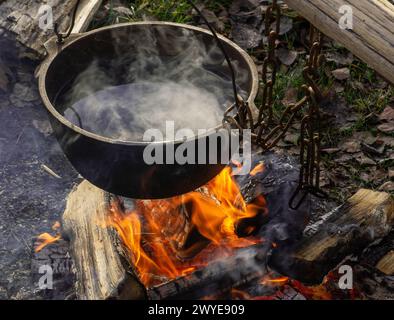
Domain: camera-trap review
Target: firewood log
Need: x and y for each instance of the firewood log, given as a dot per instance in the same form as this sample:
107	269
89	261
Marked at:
386	264
371	38
21	18
102	270
365	218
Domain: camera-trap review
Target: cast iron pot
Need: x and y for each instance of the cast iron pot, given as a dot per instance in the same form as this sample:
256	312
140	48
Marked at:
118	166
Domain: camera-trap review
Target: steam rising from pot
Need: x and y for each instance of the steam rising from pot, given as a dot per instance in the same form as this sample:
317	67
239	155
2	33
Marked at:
158	75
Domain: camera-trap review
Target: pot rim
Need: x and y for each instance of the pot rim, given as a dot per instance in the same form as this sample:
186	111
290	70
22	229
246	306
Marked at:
76	37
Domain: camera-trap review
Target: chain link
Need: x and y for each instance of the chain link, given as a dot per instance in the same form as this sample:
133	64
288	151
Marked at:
266	133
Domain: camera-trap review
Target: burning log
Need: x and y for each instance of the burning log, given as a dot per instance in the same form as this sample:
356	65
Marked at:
246	265
370	36
101	270
22	19
365	218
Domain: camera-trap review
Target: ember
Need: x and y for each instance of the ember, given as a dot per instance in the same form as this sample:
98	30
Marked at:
45	239
215	211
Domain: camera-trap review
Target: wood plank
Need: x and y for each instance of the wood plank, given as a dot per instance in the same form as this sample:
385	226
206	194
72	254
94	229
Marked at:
365	218
85	14
21	18
372	37
101	266
386	264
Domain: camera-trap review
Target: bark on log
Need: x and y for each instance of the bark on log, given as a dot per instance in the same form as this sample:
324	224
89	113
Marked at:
21	17
372	37
365	218
101	269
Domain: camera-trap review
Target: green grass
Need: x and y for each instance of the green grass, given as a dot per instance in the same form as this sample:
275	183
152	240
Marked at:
217	5
165	10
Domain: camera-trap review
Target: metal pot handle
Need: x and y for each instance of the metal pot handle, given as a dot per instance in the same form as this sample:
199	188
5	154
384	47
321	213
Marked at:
61	37
53	48
221	46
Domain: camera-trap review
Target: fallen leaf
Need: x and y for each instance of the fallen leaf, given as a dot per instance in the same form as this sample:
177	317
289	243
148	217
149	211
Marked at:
344	158
375	149
238	6
386	127
365	161
378	176
387	114
246	36
121	10
365	177
365	136
387	140
387	186
340	59
341	74
391	174
351	146
292	138
338	88
290	96
287	57
286	25
331	150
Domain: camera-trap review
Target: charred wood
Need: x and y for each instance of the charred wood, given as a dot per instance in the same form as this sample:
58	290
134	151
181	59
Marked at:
365	218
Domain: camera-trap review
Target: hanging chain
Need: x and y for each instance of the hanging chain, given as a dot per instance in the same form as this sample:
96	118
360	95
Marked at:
267	132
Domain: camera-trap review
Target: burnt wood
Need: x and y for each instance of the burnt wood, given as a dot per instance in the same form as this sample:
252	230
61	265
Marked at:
246	265
365	218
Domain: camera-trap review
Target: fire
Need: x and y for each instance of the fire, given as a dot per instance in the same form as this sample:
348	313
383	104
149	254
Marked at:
151	230
319	292
46	239
281	281
257	169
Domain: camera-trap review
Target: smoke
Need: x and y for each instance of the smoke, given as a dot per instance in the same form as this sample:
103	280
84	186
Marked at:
157	75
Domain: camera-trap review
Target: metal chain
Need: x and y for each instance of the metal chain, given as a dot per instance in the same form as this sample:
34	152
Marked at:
265	134
310	140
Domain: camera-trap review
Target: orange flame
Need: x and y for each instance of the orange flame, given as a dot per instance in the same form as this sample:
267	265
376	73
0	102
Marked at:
151	230
281	281
46	239
319	292
257	169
